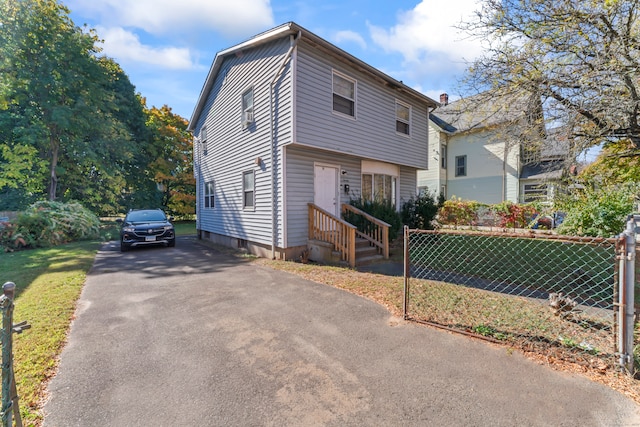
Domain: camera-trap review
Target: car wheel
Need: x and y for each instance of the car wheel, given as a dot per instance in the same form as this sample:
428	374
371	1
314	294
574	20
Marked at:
123	247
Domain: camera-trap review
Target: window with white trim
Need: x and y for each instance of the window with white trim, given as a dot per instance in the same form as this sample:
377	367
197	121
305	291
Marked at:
379	187
209	188
247	108
344	95
248	189
535	193
403	118
461	165
203	138
443	156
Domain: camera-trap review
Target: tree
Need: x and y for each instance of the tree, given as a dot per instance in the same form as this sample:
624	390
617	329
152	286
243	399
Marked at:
581	58
53	93
171	155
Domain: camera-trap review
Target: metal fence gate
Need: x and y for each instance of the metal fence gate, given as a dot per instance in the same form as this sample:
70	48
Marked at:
566	297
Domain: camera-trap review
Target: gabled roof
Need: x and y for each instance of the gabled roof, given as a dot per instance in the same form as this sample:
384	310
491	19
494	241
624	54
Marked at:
293	29
544	170
487	109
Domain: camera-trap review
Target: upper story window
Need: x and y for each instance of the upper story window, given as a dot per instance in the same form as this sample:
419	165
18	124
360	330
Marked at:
344	95
247	107
248	189
403	118
443	156
203	138
209	188
461	165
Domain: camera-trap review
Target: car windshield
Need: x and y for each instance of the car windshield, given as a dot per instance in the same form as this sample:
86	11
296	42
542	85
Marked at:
143	216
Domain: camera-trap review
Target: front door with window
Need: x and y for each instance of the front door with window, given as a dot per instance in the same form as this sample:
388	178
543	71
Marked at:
326	188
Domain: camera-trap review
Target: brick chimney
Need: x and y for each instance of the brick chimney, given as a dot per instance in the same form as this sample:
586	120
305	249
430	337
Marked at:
444	99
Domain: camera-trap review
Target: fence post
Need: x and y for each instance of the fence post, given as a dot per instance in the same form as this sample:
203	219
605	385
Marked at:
627	293
405	303
10	408
6	304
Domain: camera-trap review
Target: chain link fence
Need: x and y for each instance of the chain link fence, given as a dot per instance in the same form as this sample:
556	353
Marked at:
553	295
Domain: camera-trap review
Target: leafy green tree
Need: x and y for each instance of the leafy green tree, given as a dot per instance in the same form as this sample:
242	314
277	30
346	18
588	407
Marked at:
581	58
617	163
53	94
171	154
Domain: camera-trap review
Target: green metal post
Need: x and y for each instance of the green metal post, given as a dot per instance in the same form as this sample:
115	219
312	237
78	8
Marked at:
6	304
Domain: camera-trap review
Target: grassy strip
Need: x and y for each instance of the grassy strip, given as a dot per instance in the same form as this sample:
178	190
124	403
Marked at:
48	284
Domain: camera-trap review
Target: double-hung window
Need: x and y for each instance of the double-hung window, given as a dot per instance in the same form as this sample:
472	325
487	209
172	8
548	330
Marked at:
344	95
247	108
248	189
403	118
443	156
209	188
203	138
461	165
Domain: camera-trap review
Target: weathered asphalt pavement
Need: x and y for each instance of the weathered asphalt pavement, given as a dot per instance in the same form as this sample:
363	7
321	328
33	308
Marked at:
188	336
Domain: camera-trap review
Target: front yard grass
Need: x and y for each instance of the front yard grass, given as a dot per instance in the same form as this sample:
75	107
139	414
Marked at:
48	284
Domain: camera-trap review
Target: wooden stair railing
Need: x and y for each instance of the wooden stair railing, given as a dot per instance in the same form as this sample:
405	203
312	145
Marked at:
375	231
329	228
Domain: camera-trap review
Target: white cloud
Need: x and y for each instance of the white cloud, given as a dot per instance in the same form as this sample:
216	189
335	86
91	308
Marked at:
125	47
428	31
232	18
349	36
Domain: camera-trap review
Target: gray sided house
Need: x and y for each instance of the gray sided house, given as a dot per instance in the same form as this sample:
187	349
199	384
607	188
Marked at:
286	120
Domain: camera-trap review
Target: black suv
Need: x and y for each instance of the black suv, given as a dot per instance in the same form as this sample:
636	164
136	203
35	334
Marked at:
146	227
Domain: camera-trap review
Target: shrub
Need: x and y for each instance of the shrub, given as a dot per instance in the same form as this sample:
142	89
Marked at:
513	215
381	209
456	211
419	212
47	224
597	212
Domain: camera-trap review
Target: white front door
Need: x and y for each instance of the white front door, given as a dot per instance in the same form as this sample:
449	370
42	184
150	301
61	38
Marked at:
326	188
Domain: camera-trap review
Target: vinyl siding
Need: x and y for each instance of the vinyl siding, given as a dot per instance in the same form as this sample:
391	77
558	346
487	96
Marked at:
372	134
232	150
300	186
486	170
435	176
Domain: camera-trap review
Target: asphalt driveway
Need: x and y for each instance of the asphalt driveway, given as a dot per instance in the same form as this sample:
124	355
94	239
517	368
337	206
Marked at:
189	336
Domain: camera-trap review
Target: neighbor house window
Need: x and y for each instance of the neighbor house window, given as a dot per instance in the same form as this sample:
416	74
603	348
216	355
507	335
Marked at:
535	193
443	191
379	187
403	118
443	156
248	189
344	95
247	108
461	165
208	194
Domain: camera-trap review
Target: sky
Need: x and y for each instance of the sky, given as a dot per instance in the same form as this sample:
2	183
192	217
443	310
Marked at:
166	47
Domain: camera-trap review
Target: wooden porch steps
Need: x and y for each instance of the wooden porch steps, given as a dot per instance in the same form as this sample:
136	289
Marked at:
366	253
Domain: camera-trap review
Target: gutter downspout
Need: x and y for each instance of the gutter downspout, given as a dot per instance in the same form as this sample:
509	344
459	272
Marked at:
274	206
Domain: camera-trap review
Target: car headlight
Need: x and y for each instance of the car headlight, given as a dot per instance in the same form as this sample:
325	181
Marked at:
128	229
168	227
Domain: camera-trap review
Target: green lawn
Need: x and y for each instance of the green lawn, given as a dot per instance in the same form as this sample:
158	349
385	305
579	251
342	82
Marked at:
540	264
48	284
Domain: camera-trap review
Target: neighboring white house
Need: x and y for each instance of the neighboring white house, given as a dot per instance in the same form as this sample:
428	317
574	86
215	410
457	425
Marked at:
286	119
492	150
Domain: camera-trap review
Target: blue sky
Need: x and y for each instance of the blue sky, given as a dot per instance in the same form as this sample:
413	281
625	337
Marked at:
166	46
